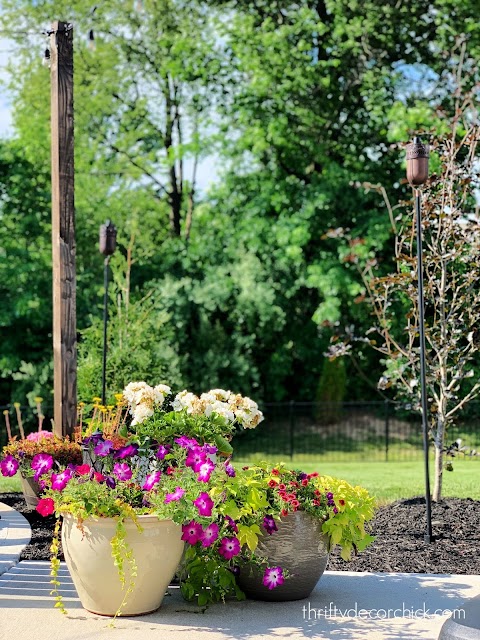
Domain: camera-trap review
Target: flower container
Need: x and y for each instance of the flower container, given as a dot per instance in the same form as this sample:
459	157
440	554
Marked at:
156	551
31	491
300	548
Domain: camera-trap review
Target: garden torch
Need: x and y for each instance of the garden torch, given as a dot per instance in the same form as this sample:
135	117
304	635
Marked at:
107	246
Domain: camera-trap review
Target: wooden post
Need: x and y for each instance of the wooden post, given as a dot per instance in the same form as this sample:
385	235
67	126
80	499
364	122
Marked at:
63	230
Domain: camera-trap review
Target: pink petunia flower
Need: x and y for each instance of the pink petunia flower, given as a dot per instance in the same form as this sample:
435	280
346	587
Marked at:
186	443
269	525
45	507
176	495
195	458
36	436
205	471
122	471
204	504
210	534
60	480
151	480
9	466
41	463
192	532
229	547
273	577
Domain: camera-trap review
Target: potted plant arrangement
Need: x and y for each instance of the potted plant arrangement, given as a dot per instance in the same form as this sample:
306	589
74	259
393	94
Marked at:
168	465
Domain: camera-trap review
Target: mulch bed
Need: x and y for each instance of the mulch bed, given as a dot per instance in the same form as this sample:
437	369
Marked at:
399	546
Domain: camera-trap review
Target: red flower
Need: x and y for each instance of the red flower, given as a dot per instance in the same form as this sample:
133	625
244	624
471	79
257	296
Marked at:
294	484
313	475
291	496
316	492
295	504
316	503
282	487
272	483
283	495
99	477
170	470
275	472
342	502
45	507
83	469
284	512
304	482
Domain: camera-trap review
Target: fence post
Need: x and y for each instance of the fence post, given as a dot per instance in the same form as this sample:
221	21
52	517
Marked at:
387	428
292	428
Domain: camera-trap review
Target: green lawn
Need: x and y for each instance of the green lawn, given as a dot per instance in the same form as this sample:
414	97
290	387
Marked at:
387	481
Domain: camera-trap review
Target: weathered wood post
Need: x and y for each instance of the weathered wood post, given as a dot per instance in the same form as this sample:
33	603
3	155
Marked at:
63	230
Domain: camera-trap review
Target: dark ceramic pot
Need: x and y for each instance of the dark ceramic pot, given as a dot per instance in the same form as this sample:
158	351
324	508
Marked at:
300	547
31	491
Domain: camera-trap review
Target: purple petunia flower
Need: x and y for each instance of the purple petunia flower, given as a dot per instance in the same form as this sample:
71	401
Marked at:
229	547
126	452
151	480
162	451
60	480
204	504
122	471
41	463
110	482
269	525
192	532
186	443
9	466
302	476
273	577
205	471
195	458
229	470
231	523
94	439
103	448
210	449
330	495
209	535
176	495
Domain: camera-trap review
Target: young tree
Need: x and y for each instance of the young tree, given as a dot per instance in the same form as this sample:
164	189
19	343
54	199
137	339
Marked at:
451	228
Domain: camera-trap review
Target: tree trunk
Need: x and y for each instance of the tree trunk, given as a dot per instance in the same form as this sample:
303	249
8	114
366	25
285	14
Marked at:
437	489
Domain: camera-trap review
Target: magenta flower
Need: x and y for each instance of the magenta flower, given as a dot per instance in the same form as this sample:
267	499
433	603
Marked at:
60	480
273	577
192	532
195	458
162	451
41	463
126	452
122	471
209	448
204	504
151	480
176	495
9	466
209	535
186	443
103	448
205	471
229	547
269	525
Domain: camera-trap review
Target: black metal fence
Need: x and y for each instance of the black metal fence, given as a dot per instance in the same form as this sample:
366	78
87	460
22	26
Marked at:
351	431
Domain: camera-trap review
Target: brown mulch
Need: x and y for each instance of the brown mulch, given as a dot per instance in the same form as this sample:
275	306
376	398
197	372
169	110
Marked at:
399	546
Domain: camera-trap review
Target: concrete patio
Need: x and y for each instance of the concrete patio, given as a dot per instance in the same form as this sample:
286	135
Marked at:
343	606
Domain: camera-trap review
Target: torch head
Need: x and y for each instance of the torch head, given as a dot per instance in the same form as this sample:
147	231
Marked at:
108	238
417	162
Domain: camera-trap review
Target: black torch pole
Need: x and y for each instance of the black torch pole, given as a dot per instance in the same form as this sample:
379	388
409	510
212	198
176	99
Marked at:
417	175
423	374
107	246
105	324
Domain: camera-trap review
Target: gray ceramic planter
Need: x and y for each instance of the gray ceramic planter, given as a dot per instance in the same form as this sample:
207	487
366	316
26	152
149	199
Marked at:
298	546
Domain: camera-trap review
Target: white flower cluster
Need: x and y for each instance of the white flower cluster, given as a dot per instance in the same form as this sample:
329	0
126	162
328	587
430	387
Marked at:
142	399
233	407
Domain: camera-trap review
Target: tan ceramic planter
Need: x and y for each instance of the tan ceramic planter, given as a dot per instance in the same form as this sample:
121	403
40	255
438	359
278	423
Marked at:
157	552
